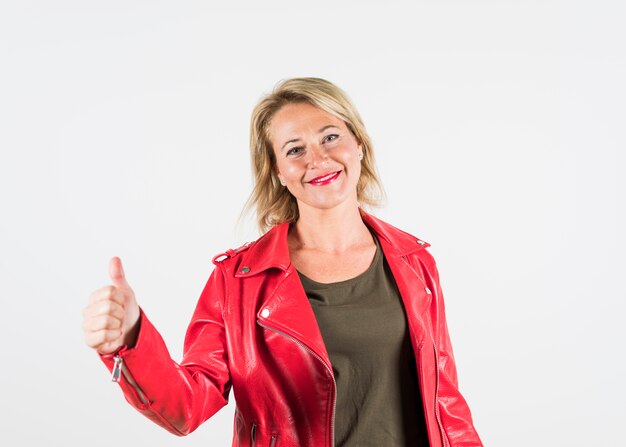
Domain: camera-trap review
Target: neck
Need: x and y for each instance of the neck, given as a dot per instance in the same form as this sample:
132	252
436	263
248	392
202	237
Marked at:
330	231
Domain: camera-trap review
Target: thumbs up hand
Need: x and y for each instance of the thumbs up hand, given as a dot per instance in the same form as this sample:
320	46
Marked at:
111	318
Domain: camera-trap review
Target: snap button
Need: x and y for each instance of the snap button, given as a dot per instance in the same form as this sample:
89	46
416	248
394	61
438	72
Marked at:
245	269
265	313
428	291
420	242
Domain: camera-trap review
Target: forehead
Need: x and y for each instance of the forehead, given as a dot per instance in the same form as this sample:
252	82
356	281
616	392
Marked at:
293	120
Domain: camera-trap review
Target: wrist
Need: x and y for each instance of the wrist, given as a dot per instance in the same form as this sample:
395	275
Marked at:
132	334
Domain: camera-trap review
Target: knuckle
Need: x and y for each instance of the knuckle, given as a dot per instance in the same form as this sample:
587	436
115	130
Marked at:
104	322
91	339
88	324
107	307
117	310
104	336
99	338
112	323
112	335
93	342
94	324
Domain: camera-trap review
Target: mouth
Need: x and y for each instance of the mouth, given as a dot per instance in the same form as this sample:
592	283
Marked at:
324	180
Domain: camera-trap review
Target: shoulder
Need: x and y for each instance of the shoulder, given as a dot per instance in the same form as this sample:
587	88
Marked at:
232	253
405	235
413	248
403	241
232	256
268	251
229	260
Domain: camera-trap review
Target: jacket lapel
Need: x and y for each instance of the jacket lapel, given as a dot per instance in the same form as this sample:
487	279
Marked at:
289	312
287	309
398	246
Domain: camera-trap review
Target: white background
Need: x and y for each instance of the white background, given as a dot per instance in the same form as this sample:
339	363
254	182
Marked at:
499	131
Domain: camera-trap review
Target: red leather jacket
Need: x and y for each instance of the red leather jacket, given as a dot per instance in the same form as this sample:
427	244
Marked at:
254	330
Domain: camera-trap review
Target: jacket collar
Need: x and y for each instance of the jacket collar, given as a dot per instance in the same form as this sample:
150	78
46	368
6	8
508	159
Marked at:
272	251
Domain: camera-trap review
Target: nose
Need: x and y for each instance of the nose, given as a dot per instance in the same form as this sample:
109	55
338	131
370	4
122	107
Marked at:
317	156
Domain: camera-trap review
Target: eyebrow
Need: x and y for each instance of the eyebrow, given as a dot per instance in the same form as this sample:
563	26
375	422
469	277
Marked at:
319	131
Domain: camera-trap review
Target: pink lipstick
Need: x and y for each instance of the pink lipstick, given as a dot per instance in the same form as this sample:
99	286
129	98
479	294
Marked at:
326	179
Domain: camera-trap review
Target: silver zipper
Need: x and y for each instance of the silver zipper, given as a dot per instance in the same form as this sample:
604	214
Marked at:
332	427
273	441
120	367
117	369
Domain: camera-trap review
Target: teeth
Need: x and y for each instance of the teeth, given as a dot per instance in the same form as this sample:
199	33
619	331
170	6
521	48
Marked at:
324	178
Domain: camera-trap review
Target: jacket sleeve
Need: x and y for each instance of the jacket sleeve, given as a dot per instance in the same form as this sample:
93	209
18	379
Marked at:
179	397
454	411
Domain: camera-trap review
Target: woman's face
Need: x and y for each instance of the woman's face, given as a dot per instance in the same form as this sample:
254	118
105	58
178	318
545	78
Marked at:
317	157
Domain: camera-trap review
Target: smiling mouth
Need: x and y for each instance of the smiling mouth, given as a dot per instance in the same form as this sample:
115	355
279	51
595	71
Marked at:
325	179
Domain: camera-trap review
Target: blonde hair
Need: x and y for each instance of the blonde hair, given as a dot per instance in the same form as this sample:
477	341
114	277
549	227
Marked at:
274	204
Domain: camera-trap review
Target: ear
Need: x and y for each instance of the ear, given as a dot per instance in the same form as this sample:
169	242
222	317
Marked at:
280	179
275	170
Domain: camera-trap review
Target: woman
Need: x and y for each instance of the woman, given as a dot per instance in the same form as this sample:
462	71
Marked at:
330	328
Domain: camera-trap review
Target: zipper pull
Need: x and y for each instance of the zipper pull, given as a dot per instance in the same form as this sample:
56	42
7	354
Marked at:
117	369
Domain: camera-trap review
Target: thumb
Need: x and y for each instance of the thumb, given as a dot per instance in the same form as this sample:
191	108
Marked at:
116	272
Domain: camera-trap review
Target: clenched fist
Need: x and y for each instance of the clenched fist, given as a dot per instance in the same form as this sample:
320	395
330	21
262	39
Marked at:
112	317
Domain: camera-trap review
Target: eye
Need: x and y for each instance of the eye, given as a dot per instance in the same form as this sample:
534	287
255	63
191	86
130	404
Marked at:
295	150
331	137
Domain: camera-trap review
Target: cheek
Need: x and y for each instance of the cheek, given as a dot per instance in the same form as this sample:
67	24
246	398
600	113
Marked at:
357	169
290	170
356	166
352	158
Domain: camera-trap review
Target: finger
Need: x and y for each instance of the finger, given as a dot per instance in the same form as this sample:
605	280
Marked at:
102	322
106	307
95	340
116	272
107	293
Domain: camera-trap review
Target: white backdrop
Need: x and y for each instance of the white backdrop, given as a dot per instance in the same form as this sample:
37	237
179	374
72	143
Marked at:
499	131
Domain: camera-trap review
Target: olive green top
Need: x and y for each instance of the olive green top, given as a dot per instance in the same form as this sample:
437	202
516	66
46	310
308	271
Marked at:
364	328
